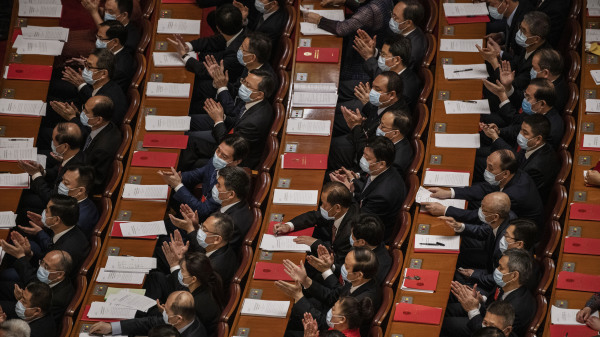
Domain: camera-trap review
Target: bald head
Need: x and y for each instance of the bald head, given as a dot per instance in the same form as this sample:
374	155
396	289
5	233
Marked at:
181	303
59	260
497	202
68	135
99	107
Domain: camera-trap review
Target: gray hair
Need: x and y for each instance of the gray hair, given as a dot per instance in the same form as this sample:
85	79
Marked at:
16	328
519	260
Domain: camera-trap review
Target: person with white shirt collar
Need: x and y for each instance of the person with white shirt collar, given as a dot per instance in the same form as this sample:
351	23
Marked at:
512	13
407	15
112	35
266	16
33	306
120	10
367	231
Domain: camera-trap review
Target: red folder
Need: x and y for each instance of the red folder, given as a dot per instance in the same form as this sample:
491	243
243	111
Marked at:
270	271
467	19
116	232
581	147
582	246
84	316
319	55
33	72
306	232
583	211
165	141
427	279
16	33
154	159
572	330
578	281
414	313
304	161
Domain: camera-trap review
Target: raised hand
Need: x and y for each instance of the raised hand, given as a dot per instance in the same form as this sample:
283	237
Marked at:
362	91
364	45
171	178
242	9
455	225
352	118
73	76
179	44
507	75
311	327
214	110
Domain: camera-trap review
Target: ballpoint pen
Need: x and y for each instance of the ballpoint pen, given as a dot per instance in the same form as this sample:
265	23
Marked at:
462	70
432	244
475	102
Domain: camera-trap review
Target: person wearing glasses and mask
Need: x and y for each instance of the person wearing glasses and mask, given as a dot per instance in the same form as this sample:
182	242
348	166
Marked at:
511	12
112	35
266	16
120	10
406	19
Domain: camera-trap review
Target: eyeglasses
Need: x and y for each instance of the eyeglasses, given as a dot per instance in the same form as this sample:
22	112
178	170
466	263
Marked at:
102	39
205	230
244	82
89	66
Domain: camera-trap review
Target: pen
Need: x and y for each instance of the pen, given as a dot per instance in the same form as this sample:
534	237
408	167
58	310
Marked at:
460	71
432	244
470	102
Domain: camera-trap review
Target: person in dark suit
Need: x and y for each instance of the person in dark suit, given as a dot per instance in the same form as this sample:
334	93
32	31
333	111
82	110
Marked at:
500	315
112	35
266	16
514	269
584	315
367	231
407	16
512	12
555	9
178	311
382	192
33	307
164	330
120	10
502	173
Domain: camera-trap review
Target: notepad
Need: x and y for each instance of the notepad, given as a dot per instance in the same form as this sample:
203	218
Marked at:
437	244
45	33
106	310
154	159
130	264
424	195
592	35
465	71
475	107
307	28
39	2
165	141
113	290
136	229
167	59
295	197
590	142
457	140
270	271
178	26
306	161
592	105
21	107
593	12
7	219
308	127
40	11
14	154
252	307
593	4
16	142
566	316
420	280
18	180
120	278
460	45
274	243
315	87
145	192
168	123
171	90
314	99
596	76
446	178
465	9
41	159
40	47
131	300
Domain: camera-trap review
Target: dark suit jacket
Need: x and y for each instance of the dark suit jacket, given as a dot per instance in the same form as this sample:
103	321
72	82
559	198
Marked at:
242	220
134	35
510	32
557	127
101	153
112	90
404	156
207	309
141	326
46	186
124	69
370	112
418	46
223	260
411	84
74	242
556	10
561	88
382	197
520	64
216	46
43	327
88	216
385	262
207	175
272	26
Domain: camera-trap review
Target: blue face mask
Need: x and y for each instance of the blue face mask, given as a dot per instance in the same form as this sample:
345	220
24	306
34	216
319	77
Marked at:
364	165
260	6
218	163
100	44
482	216
381	63
351	241
45	219
244	93
201	238
522	141
490	178
526	106
84	119
87	75
42	275
63	189
374	97
325	214
108	16
494	13
521	39
394	26
240	56
215	195
498	278
20	310
503	245
180	279
165	317
532	73
54	149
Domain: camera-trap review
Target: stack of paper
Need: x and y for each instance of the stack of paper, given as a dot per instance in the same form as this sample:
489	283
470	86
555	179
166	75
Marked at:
446	178
593	7
45	33
40	11
130	264
566	316
168	123
465	71
315	87
307	28
22	107
7	219
113	291
457	140
178	26
437	243
16	143
309	127
131	300
39	2
14	154
596	76
465	9
590	142
478	107
592	35
38	47
314	99
41	159
173	90
285	243
167	59
424	195
265	308
133	229
283	196
19	180
105	310
145	192
592	105
120	278
460	45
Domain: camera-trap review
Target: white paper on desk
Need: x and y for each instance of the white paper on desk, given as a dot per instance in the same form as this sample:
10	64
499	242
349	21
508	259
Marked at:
133	229
596	76
286	243
403	287
167	59
592	105
477	9
45	33
105	310
478	107
7	219
315	87
40	47
18	154
593	12
566	316
449	242
460	45
127	264
168	123
120	278
16	142
314	99
41	159
307	28
131	300
457	140
40	2
173	90
465	71
178	26
593	4
591	141
145	192
424	195
40	11
592	35
446	178
23	107
18	180
19	43
284	196
265	308
309	127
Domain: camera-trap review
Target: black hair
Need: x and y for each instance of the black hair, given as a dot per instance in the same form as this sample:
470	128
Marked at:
550	59
41	295
413	11
115	30
356	311
267	82
367	227
86	175
239	144
70	134
125	6
399	46
394	83
525	231
544	91
106	60
260	45
508	161
198	265
223	225
66	208
402	121
540	125
236	180
104	108
383	149
228	19
365	262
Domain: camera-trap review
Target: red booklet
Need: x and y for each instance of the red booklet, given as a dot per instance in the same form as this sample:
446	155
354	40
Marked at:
583	211
270	271
582	246
84	316
165	141
33	72
578	281
421	280
571	330
467	19
116	232
154	159
304	161
320	55
414	313
306	232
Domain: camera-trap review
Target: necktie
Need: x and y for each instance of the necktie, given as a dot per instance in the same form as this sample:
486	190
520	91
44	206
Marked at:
88	141
367	184
260	21
333	232
242	110
496	294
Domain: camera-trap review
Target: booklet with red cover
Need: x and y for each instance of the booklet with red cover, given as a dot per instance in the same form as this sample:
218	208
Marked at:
578	281
583	211
557	330
421	280
270	271
467	19
307	161
154	159
33	72
586	246
414	313
165	141
319	55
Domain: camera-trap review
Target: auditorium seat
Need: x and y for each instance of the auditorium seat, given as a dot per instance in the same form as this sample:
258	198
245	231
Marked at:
87	265
575	9
147	7
570	37
573	99
570	126
133	95
572	66
403	224
549	241
147	30
257	218
431	15
427	82
392	275
269	155
387	300
290	24
282	54
73	307
419	154
566	163
548	268
412	186
115	179
140	71
126	137
430	51
556	203
421	117
105	209
540	313
375	331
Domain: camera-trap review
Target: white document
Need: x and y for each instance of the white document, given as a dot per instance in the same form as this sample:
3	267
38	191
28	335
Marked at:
106	310
309	127
178	26
591	141
437	242
145	192
18	154
596	76
594	4
120	278
7	219
314	99
478	107
465	71
592	105
18	180
16	142
593	12
477	9
566	316
307	28
460	45
40	11
23	107
131	300
39	2
40	47
19	43
45	33
424	195
592	35
457	140
315	87
265	308
41	159
285	243
130	264
284	196
446	178
175	90
133	229
168	123
403	287
167	59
